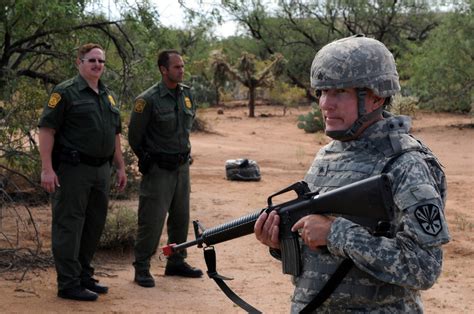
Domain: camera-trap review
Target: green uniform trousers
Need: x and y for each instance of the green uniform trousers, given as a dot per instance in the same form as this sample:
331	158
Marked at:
162	191
79	214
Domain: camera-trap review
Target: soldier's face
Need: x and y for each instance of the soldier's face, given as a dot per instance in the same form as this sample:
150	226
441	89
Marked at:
91	66
339	107
175	71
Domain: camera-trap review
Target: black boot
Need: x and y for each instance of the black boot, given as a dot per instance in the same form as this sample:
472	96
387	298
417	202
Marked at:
183	270
78	293
93	285
144	279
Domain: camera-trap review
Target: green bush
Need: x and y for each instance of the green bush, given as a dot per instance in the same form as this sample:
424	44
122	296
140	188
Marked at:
312	122
284	94
120	228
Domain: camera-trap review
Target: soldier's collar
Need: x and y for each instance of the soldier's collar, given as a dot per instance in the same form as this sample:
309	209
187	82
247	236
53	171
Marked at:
82	83
165	90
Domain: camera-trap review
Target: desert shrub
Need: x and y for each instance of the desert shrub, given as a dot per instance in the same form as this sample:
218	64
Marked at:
405	105
284	94
120	228
203	91
312	122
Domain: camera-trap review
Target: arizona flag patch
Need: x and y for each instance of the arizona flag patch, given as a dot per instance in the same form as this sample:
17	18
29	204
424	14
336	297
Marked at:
54	100
429	218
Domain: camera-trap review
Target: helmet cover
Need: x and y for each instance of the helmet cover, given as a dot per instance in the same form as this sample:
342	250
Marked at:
355	62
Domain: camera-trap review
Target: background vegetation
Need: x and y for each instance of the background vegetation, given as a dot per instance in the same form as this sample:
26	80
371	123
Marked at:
270	56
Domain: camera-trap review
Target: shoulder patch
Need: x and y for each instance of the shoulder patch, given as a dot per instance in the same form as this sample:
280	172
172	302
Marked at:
54	100
140	104
188	103
429	218
112	100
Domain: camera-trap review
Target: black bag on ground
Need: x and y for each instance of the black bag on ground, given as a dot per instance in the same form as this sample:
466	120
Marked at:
242	170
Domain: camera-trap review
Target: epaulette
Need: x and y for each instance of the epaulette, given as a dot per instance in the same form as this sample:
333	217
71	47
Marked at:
65	84
184	86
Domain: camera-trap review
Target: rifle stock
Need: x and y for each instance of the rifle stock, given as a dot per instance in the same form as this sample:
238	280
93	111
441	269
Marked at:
367	202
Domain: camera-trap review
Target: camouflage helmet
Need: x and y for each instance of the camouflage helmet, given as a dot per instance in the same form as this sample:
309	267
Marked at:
355	62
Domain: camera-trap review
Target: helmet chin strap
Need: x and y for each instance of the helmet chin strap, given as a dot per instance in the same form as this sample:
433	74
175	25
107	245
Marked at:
363	117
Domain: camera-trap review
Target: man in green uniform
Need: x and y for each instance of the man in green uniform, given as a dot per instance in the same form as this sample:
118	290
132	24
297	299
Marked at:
79	137
159	130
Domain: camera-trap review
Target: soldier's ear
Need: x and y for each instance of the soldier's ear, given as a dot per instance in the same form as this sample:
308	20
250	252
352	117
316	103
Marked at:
376	102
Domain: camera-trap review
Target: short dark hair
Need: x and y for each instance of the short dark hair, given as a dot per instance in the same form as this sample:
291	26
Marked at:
81	52
164	57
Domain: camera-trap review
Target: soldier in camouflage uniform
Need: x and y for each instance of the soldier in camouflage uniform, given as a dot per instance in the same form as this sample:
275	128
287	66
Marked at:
159	131
355	78
79	137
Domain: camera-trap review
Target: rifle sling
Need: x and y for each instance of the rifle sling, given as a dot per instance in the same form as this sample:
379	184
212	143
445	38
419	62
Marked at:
210	258
329	287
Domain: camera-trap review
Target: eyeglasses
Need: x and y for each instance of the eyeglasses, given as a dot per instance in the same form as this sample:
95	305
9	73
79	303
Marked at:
94	60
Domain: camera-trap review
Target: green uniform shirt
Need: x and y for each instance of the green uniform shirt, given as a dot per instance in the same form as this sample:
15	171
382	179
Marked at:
161	120
84	120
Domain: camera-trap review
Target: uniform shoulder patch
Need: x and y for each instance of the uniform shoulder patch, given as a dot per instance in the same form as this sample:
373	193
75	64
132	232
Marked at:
112	100
54	100
429	218
188	103
140	104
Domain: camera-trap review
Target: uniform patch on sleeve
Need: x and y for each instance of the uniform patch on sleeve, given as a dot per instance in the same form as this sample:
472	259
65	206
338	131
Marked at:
54	100
139	105
188	102
112	100
429	218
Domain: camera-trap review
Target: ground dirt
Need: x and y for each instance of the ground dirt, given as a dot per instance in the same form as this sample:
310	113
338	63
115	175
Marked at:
284	153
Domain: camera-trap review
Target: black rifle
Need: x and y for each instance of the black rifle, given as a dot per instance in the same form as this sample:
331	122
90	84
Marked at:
367	202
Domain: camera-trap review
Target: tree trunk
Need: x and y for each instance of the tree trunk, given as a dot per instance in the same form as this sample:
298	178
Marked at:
252	101
218	95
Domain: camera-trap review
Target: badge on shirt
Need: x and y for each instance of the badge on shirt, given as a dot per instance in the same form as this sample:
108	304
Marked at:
188	102
54	100
139	105
112	100
429	218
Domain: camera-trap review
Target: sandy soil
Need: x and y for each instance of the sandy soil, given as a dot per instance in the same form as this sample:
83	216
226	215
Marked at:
283	152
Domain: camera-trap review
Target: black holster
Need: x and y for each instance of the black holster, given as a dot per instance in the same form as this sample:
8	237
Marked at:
170	161
165	161
74	158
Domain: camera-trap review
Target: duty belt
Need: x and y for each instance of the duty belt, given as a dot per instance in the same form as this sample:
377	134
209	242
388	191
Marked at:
74	157
170	161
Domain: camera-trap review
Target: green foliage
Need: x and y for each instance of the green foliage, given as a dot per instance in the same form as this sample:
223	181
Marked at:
442	68
285	94
19	148
313	121
120	228
404	105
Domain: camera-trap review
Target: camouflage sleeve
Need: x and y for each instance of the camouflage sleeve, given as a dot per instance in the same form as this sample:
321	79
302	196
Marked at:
413	257
140	117
53	111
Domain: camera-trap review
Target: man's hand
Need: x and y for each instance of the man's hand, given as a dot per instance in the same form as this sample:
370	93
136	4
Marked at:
121	182
314	229
49	180
266	229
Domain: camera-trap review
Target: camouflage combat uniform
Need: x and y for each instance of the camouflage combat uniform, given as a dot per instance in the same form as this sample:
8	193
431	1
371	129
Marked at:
388	272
